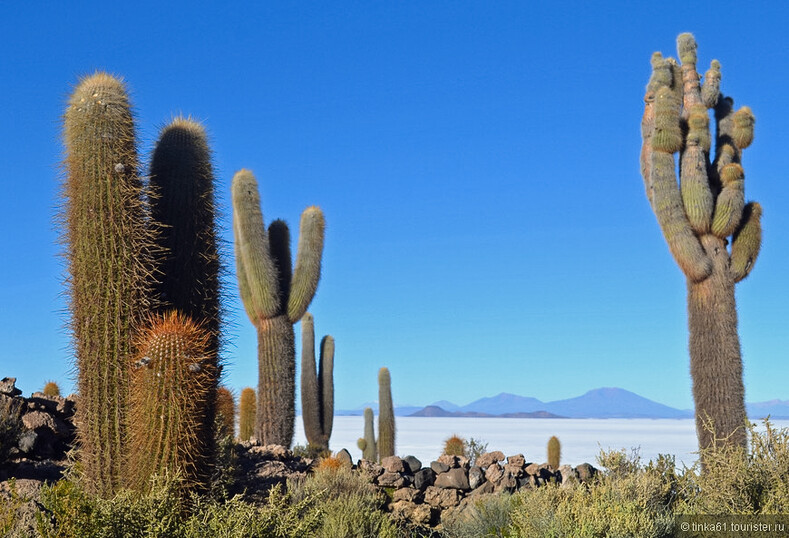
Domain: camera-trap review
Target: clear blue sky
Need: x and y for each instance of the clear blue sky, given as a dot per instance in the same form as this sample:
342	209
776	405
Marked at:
477	163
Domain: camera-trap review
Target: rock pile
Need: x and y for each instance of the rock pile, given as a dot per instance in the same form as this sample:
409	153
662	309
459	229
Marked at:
45	433
259	468
424	495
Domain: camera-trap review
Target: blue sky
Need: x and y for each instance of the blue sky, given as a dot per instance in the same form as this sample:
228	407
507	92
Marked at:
477	163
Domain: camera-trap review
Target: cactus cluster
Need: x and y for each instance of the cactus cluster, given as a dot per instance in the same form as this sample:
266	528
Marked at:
134	249
275	297
367	444
317	387
712	233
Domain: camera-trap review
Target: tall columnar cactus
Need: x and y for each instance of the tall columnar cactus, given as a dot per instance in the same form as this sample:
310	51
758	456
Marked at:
108	243
554	452
275	298
386	419
317	388
172	383
700	217
246	414
367	444
182	204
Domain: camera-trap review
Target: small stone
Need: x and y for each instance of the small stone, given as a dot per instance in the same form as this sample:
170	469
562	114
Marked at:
439	467
38	419
412	464
585	472
345	458
393	464
405	494
484	489
423	478
514	470
449	460
507	483
532	469
370	468
454	478
8	386
476	476
391	480
442	498
494	473
568	475
517	460
488	458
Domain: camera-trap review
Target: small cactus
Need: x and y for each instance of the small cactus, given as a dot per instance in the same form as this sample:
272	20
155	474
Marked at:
370	448
172	382
246	414
455	446
225	412
386	418
554	452
51	389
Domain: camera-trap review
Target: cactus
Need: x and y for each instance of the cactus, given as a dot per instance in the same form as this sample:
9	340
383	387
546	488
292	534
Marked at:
107	248
386	419
370	447
698	217
554	452
275	298
187	258
172	381
225	406
51	389
317	388
455	446
246	414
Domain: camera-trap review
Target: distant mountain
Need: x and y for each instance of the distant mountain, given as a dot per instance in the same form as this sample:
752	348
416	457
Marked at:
401	411
613	403
774	408
435	411
504	403
448	406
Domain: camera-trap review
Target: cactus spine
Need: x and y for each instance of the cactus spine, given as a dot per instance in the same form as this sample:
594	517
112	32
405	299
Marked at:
697	219
367	444
51	389
246	414
275	298
386	419
107	251
317	388
172	381
554	452
225	412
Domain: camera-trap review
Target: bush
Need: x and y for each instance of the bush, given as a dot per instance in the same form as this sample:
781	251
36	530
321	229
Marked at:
489	516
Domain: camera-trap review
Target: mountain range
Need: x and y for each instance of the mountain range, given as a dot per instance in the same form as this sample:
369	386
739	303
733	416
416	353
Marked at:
597	403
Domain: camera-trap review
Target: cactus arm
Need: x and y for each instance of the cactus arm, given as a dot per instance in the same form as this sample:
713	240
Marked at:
747	242
326	384
710	90
730	202
241	273
310	397
308	263
253	246
279	246
691	91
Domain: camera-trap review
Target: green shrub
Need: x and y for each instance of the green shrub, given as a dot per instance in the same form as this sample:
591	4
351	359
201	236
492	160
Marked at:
491	515
475	448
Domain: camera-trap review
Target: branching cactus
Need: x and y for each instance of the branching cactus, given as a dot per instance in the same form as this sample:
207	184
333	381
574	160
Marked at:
275	298
554	452
368	446
246	414
107	248
712	233
386	418
172	383
317	388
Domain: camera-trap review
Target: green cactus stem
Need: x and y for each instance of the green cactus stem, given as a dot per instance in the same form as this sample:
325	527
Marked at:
107	250
370	448
246	414
698	218
386	418
317	388
554	452
172	383
274	299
